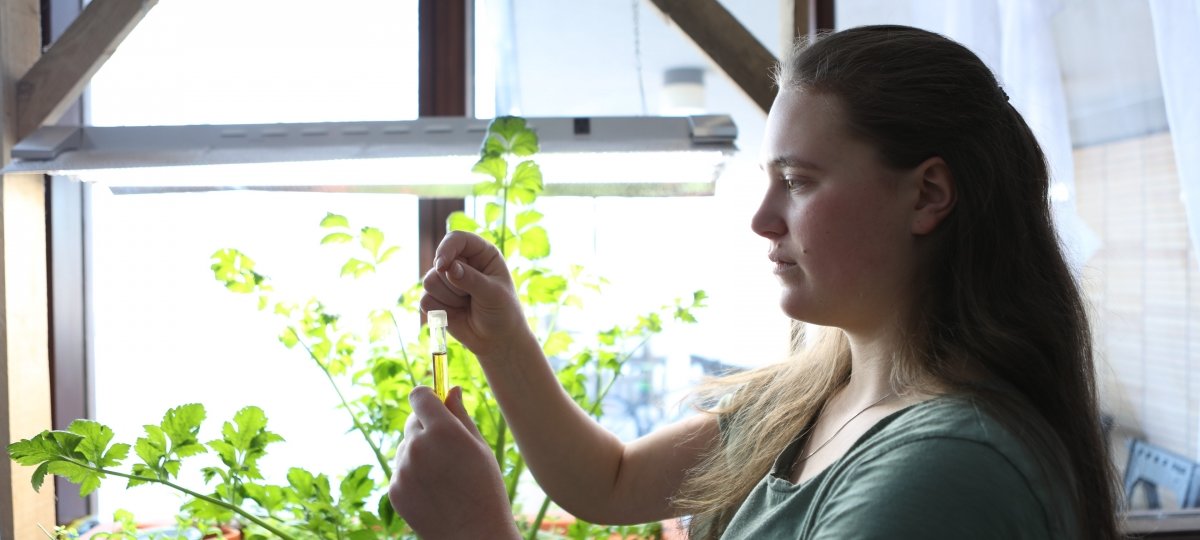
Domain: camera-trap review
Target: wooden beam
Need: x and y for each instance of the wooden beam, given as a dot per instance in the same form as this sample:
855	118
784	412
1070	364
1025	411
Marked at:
58	78
729	44
810	17
803	23
24	321
443	90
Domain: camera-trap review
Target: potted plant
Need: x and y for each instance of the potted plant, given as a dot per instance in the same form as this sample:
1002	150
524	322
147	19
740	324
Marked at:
383	364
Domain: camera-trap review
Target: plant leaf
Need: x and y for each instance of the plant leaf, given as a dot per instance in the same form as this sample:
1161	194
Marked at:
333	220
487	187
236	271
182	424
493	166
381	325
87	479
557	343
387	253
336	238
39	475
524	143
527	218
356	268
459	221
250	421
526	184
535	244
546	289
372	239
96	437
355	487
289	337
386	512
507	126
493	145
491	212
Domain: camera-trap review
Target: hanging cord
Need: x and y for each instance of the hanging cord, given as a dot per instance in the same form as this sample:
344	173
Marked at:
637	54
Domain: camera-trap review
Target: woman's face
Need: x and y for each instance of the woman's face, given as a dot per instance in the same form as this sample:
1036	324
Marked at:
838	220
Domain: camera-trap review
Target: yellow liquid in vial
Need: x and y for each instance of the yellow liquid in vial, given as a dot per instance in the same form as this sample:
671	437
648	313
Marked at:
440	377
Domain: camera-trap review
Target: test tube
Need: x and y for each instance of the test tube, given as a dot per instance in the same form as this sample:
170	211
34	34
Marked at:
437	346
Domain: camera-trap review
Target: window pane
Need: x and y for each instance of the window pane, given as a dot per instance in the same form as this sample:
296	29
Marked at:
545	58
263	61
168	333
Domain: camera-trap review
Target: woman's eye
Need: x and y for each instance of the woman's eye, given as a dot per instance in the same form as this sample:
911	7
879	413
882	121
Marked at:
794	183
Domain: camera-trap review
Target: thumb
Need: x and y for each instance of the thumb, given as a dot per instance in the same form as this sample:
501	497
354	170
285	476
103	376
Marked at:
454	402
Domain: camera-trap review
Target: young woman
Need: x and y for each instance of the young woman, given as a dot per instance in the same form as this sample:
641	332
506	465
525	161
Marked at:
948	393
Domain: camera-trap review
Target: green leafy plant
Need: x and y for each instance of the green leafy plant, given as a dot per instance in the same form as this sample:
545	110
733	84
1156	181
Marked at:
371	374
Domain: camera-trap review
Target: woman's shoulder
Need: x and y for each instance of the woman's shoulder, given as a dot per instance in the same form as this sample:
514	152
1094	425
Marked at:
949	459
953	429
948	416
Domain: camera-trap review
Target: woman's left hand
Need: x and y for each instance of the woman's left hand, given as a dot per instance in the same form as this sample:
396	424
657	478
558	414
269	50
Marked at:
447	484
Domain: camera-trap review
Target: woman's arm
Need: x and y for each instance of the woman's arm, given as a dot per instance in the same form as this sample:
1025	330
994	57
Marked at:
584	468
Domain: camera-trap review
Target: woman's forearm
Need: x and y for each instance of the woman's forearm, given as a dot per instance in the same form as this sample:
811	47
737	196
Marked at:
575	460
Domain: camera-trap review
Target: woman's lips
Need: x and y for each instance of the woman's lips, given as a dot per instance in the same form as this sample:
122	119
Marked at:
782	264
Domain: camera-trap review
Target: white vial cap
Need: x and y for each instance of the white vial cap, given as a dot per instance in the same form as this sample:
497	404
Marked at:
437	318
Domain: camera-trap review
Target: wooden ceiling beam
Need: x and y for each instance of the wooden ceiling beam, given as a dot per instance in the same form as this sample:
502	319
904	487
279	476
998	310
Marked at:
58	78
810	17
729	44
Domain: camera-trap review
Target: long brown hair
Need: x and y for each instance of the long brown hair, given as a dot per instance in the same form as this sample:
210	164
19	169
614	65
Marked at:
997	297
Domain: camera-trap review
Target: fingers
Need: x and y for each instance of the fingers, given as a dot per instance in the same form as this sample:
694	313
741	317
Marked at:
454	402
445	289
466	267
428	409
440	294
429	412
412	426
476	251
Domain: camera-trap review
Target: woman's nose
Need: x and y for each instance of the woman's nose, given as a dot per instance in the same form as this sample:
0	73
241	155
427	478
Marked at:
767	221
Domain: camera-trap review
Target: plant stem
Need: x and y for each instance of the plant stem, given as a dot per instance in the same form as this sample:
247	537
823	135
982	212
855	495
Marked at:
387	471
503	216
518	468
498	445
403	352
537	522
236	509
617	375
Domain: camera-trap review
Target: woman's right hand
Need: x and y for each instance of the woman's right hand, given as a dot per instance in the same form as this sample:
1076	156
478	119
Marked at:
471	282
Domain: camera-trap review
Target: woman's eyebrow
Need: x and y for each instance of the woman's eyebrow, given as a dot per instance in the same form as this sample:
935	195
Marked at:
793	162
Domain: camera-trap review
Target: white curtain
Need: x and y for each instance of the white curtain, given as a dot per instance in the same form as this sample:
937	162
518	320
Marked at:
1015	39
1177	40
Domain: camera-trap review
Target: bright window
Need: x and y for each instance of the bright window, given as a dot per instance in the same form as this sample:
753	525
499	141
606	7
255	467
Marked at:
167	333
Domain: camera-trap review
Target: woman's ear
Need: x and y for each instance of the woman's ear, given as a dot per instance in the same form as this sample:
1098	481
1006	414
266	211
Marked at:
936	195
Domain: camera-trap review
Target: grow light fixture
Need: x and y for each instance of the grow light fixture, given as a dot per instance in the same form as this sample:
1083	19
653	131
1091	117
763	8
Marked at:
631	156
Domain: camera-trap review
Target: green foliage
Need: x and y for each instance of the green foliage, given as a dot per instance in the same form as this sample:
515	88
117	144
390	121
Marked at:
384	365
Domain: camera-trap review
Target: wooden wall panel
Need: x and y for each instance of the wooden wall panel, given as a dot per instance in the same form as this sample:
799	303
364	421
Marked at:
24	320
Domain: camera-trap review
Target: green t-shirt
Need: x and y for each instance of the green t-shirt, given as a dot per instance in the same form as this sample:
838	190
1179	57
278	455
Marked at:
938	469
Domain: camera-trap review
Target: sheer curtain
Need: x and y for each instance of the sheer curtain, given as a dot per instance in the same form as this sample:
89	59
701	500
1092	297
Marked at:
1177	40
1015	39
